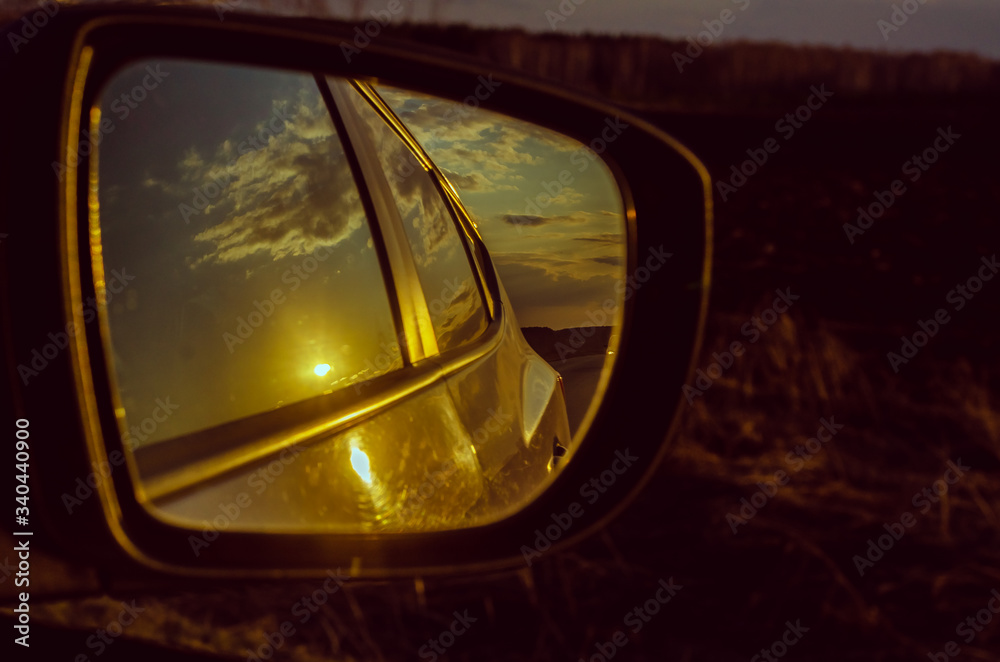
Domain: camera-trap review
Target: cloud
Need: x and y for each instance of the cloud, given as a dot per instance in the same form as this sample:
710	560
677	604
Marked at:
613	260
558	299
474	182
568	196
535	221
462	319
524	220
425	217
489	146
608	238
566	266
556	266
286	197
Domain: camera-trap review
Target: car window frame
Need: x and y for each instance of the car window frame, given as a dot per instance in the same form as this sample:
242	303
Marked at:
462	222
415	328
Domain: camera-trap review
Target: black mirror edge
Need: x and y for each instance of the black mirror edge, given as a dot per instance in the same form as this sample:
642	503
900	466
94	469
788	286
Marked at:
112	531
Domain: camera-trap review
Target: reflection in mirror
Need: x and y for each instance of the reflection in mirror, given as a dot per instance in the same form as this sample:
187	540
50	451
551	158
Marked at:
305	332
552	217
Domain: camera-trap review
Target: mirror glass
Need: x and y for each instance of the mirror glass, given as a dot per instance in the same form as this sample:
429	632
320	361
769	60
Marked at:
343	307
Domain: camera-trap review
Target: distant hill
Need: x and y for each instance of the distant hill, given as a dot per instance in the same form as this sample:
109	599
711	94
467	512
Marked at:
558	345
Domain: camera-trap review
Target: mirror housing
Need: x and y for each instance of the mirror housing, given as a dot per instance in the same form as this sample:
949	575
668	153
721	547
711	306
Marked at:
82	493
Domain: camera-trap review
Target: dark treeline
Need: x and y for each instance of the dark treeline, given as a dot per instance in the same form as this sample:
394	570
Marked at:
663	74
651	72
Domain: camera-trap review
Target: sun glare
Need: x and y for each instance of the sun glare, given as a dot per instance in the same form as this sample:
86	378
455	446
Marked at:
359	460
322	369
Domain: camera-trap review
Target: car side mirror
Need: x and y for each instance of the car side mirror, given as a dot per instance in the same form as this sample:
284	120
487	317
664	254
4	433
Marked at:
303	304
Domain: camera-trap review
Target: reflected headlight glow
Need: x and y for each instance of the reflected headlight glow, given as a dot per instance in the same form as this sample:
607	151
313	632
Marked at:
321	369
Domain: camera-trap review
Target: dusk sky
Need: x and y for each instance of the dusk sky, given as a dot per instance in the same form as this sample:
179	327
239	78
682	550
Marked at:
957	25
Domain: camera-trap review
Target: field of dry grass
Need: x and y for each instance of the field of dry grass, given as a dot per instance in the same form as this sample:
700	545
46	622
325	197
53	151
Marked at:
792	561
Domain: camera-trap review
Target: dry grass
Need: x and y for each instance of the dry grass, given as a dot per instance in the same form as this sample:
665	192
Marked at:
793	560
